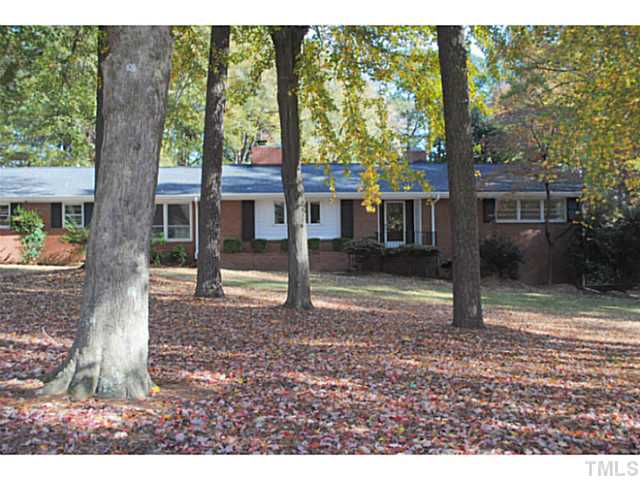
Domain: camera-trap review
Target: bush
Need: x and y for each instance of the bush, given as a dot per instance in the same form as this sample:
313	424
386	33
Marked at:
157	255
232	245
500	256
412	250
29	224
259	245
284	245
76	235
365	246
313	243
179	255
339	244
605	251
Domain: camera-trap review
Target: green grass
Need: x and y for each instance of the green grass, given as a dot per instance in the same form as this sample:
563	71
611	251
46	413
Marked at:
391	288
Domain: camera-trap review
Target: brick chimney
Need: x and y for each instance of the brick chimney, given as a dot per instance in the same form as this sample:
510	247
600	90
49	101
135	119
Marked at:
263	155
414	156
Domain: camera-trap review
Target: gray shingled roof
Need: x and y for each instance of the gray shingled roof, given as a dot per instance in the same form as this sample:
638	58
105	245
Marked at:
37	182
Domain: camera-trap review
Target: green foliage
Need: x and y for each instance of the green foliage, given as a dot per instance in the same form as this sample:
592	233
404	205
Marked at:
259	245
179	255
47	95
606	251
339	244
29	224
284	245
588	79
232	245
364	246
411	250
500	256
157	252
76	235
313	243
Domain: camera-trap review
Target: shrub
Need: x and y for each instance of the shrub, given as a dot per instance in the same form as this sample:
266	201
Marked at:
500	256
605	251
284	245
259	245
29	224
179	255
313	243
232	245
412	250
157	255
365	246
76	235
339	244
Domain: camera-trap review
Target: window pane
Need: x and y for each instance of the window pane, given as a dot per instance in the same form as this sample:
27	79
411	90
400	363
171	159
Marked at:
177	232
556	210
4	215
506	210
278	213
73	215
529	209
314	212
178	215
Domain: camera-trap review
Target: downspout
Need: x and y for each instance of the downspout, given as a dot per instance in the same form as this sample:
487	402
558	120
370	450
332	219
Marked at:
196	249
433	221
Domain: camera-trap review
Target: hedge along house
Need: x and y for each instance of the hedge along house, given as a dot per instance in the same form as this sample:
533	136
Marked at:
253	208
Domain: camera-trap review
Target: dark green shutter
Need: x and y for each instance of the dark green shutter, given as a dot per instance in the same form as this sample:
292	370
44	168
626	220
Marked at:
56	215
15	207
488	210
248	230
381	222
346	218
408	222
88	213
573	209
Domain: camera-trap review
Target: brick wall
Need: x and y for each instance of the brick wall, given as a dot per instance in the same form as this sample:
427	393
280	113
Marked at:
528	236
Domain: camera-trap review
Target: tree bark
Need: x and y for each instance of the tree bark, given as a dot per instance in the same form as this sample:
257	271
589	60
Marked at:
102	53
288	43
467	308
547	233
209	281
109	355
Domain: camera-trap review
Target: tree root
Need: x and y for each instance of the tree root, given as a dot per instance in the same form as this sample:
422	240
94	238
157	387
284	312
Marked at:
82	380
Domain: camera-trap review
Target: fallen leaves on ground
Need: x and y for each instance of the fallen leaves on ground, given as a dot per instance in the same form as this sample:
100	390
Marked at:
355	375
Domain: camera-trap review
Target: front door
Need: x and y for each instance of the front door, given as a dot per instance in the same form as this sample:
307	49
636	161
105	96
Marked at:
394	223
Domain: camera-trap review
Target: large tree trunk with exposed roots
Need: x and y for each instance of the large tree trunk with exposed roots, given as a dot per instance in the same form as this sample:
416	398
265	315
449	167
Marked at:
467	308
209	280
109	355
288	43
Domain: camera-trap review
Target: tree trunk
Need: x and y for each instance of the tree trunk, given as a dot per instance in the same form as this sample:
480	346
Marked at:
209	282
102	53
109	355
288	43
467	308
547	234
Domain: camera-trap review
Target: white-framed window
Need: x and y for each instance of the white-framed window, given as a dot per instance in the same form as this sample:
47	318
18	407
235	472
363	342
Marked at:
173	221
5	215
73	213
279	213
312	213
525	210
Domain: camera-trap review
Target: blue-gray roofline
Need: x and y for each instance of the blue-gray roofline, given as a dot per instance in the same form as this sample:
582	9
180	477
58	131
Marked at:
259	181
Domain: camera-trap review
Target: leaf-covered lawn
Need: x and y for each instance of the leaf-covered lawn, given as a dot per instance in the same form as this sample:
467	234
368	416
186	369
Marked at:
374	368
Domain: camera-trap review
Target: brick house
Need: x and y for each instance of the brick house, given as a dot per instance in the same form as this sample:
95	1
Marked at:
253	207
